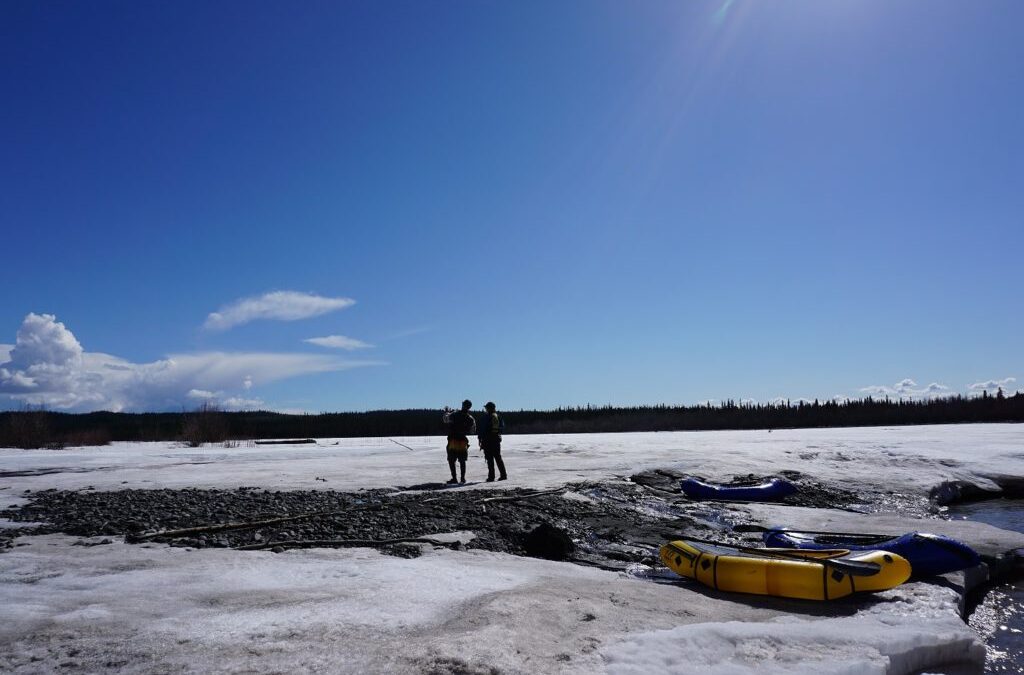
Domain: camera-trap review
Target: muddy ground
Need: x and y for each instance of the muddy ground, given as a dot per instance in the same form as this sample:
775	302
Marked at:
612	524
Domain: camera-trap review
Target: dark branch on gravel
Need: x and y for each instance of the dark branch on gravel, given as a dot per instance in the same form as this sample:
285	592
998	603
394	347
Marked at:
318	543
224	527
516	498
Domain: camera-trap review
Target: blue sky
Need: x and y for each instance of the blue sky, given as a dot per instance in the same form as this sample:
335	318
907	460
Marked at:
536	203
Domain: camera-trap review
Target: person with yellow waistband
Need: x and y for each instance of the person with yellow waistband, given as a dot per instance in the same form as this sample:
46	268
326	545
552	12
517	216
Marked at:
461	425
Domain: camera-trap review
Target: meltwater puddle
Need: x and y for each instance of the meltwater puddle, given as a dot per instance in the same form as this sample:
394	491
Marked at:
999	618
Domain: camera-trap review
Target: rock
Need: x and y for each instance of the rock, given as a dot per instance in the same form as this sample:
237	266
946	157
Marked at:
956	491
549	542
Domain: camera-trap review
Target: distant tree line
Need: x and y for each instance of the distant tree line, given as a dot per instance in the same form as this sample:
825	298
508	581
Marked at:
42	428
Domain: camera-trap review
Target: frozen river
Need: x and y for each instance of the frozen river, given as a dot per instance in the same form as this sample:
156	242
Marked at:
154	608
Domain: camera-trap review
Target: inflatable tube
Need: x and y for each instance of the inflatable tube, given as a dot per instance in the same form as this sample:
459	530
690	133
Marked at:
749	571
928	554
773	490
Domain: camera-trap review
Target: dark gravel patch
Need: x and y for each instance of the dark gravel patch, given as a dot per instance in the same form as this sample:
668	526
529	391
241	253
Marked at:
611	524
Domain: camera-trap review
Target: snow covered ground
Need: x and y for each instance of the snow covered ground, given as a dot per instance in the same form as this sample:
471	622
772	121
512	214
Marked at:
153	608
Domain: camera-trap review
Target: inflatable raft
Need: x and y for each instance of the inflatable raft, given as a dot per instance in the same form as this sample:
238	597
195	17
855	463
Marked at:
786	573
928	554
772	491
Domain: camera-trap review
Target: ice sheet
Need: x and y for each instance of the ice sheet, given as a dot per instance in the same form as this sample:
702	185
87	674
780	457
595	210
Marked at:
900	458
140	609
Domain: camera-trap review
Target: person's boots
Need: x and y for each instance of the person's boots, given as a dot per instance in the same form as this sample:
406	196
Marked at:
501	468
453	481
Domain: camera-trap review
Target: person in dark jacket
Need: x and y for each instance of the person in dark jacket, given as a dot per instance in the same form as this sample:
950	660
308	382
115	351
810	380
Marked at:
489	436
460	426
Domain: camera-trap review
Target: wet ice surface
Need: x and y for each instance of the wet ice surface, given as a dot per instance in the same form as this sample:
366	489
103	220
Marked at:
156	608
999	617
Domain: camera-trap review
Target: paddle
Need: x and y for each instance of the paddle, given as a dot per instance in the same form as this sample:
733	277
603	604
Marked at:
401	444
855	568
747	527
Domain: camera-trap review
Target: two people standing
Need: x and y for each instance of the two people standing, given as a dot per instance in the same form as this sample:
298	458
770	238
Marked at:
461	425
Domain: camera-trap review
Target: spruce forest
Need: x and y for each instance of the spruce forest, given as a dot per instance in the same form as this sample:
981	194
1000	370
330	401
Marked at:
35	428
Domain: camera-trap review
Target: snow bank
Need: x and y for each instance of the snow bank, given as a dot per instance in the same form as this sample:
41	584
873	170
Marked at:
840	646
158	608
147	608
912	628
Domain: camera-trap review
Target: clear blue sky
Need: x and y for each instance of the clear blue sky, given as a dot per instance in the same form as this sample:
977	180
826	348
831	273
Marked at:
539	203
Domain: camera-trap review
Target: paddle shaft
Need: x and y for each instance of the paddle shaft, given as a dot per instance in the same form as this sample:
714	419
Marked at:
854	568
744	527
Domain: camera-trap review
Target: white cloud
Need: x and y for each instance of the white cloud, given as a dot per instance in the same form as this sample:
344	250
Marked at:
201	394
240	403
47	366
225	402
908	389
277	305
338	342
992	386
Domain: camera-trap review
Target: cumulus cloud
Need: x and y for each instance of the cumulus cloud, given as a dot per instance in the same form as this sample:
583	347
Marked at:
786	400
226	402
908	389
993	386
277	305
338	342
47	366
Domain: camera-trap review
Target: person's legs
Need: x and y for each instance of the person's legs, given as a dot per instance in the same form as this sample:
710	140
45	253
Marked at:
490	464
452	456
496	454
462	467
